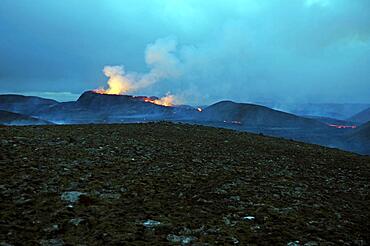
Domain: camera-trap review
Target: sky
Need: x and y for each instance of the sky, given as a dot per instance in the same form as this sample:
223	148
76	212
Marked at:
200	51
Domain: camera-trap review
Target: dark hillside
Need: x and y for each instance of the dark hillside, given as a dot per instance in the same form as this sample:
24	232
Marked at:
251	115
362	117
163	183
15	119
28	105
359	139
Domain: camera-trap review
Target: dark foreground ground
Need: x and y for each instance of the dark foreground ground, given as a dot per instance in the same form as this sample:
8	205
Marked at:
161	183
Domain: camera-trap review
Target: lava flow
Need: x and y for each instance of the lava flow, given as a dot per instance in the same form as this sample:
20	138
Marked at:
342	126
167	101
117	87
120	83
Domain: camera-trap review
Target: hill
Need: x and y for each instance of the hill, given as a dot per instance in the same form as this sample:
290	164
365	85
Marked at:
95	108
251	115
340	111
359	139
27	105
362	117
162	183
92	107
332	121
10	118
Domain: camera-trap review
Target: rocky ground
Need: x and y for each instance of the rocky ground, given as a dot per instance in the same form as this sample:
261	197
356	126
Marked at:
162	183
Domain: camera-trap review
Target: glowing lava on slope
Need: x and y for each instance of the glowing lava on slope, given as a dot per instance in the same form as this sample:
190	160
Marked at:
120	83
342	126
167	101
117	89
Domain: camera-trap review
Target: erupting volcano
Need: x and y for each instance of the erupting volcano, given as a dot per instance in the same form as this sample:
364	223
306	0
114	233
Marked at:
163	64
121	84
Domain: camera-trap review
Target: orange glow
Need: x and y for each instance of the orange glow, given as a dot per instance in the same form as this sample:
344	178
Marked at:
342	126
167	101
118	82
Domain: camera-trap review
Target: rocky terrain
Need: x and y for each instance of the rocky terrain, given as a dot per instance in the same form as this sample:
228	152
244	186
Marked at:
172	184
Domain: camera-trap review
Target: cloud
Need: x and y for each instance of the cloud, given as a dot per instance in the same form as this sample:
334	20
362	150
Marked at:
161	59
244	50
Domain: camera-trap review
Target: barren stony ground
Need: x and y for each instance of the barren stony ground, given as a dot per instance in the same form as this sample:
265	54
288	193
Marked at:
162	183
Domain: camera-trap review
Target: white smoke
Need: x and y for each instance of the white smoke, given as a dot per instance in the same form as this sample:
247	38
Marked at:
162	61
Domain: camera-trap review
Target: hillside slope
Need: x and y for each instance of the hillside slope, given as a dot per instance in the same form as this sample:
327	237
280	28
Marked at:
27	105
15	119
359	139
251	115
362	117
162	183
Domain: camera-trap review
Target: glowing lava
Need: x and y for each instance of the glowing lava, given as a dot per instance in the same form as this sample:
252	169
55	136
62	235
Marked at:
342	126
118	83
167	101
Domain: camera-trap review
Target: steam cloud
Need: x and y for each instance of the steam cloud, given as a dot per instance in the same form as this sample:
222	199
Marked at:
161	59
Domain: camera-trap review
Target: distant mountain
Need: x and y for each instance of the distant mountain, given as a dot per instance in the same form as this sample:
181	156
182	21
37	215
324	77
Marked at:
10	118
340	111
362	117
333	121
251	115
92	107
97	108
27	105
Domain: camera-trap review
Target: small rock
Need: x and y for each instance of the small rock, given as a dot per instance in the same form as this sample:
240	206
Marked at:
235	240
235	198
52	242
71	196
183	240
248	217
4	142
311	243
76	221
111	196
228	222
5	244
123	189
359	243
23	201
151	223
52	228
295	243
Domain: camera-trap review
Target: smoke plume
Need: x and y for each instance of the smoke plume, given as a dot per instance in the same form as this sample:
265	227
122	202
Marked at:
162	61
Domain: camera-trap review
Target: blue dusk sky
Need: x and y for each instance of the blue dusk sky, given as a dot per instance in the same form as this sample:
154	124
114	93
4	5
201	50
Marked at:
199	50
